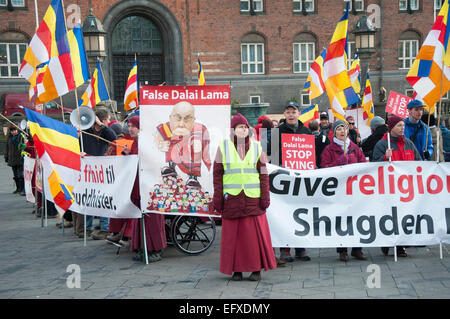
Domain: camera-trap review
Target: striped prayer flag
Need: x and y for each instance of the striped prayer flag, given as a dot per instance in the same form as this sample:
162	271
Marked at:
200	74
355	74
59	151
50	45
131	92
78	54
430	73
429	109
314	83
337	82
367	102
309	114
96	90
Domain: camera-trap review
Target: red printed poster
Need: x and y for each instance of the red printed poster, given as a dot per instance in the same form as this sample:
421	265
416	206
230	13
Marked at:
298	151
397	104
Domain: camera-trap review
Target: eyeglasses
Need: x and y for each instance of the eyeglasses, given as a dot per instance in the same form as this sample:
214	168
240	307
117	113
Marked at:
351	123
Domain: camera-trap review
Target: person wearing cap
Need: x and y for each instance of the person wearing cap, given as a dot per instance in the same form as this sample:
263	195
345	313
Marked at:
402	149
353	132
324	124
241	196
378	128
416	130
292	125
15	144
343	151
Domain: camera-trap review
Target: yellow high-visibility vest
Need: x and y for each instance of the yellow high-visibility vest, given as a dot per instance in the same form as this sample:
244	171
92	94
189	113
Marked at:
241	174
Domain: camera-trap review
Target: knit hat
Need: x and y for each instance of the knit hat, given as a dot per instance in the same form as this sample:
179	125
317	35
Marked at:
415	103
393	120
348	118
134	120
338	123
376	121
238	119
117	128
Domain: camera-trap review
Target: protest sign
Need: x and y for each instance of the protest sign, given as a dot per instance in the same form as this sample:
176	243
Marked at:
28	170
360	205
397	104
104	187
298	151
182	127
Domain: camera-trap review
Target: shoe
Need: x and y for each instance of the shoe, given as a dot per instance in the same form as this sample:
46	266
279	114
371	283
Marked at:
255	276
113	237
138	257
385	250
192	182
58	224
280	263
154	257
237	276
100	235
401	252
287	259
303	256
343	256
168	170
124	243
358	254
88	234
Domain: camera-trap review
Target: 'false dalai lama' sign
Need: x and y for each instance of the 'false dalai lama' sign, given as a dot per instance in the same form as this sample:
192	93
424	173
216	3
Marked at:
298	151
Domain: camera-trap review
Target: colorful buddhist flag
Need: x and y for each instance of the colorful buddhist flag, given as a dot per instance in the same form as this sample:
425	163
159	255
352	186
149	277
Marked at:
200	74
314	84
96	90
337	82
430	73
309	114
59	151
367	102
355	74
131	92
78	54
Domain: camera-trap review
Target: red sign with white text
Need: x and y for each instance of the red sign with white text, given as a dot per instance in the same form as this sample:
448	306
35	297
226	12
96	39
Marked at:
194	94
397	104
298	151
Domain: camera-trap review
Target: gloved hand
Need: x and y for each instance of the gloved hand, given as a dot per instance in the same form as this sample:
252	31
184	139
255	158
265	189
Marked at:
426	155
264	204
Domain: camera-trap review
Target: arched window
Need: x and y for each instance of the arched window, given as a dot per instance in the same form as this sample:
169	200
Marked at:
408	47
252	54
12	49
304	48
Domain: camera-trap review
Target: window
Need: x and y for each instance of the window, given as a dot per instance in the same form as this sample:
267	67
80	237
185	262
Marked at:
409	92
351	51
407	52
11	56
403	5
304	55
255	99
437	7
14	3
359	5
305	99
309	5
252	56
257	5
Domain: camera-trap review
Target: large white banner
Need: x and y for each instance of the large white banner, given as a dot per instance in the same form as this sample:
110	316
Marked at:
360	205
28	170
105	186
180	130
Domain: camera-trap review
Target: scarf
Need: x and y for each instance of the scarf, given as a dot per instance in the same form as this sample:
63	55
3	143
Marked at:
341	143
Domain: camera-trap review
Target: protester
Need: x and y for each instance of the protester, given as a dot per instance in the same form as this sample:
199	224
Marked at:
353	132
258	126
434	132
15	144
292	126
446	140
154	225
321	140
275	123
325	125
416	130
402	149
342	151
378	129
266	133
246	244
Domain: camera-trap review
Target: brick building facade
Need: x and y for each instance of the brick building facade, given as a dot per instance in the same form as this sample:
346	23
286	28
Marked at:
263	48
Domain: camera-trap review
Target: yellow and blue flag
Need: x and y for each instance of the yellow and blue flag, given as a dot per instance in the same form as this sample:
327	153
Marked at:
96	90
200	74
78	54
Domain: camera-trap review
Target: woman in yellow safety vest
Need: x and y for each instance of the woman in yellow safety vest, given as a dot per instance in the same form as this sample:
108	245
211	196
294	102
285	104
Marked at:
241	195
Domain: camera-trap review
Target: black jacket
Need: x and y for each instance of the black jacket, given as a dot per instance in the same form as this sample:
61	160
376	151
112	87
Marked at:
321	141
369	143
94	146
276	135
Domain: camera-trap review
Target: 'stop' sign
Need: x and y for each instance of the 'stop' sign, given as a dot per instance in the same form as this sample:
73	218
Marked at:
397	104
194	94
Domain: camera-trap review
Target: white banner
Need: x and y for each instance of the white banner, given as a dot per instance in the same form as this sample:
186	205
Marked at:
360	205
105	186
28	170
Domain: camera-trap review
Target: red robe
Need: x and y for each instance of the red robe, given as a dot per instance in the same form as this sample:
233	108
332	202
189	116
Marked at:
246	245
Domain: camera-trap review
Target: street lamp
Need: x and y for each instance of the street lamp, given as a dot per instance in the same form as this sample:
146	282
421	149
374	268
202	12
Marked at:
365	44
94	39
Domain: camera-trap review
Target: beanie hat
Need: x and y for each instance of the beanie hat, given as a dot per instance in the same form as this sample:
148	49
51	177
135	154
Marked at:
117	128
348	118
338	123
238	119
134	120
376	121
415	103
393	120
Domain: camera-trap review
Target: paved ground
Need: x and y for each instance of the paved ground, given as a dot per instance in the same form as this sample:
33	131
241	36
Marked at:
34	260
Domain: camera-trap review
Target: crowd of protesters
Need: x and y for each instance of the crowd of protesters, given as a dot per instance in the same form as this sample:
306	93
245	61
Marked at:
245	241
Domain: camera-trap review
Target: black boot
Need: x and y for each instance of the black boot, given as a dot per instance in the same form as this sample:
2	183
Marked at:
21	186
16	181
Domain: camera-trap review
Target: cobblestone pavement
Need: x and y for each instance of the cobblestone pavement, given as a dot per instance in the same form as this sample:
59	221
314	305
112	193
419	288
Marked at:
34	260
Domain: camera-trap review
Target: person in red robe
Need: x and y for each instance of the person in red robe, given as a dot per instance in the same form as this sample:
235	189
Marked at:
246	245
154	224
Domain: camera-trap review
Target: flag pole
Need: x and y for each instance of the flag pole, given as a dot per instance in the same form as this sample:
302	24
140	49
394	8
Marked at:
36	13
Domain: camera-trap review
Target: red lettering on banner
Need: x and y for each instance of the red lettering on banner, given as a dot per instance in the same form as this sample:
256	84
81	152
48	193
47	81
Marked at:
380	180
366	181
408	190
419	180
439	184
350	181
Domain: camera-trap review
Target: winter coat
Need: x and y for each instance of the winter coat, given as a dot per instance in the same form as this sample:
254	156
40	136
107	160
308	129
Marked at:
421	138
333	155
321	141
403	150
369	143
13	153
94	146
240	205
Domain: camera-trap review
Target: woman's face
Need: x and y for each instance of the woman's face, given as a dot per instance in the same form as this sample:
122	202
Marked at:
398	129
341	133
133	130
241	131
